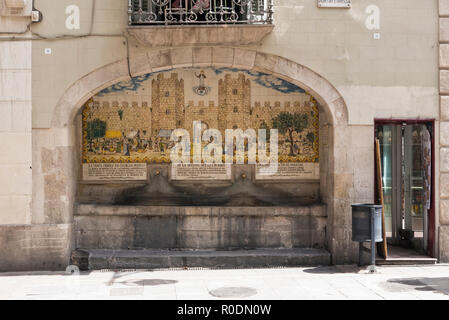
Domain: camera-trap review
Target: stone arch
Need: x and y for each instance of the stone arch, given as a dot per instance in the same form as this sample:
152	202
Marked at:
338	187
162	60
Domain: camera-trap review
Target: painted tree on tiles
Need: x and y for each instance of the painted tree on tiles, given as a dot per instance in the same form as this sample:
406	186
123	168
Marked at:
288	123
96	129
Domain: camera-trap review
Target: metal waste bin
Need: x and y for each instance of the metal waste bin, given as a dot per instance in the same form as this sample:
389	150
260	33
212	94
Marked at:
367	226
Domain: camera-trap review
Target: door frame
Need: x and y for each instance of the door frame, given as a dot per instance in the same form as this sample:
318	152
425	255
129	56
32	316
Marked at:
431	217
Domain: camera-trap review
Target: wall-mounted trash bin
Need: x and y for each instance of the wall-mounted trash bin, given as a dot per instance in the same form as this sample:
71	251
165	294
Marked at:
361	222
367	226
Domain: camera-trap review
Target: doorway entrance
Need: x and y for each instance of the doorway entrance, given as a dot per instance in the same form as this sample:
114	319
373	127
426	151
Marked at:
407	162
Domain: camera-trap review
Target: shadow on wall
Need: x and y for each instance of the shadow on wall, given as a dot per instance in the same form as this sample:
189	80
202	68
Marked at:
241	192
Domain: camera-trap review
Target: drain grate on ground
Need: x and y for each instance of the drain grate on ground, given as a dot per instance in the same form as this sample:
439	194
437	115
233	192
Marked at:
233	292
200	268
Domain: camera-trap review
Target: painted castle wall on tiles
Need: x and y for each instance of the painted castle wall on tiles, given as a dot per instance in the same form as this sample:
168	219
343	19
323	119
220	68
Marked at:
132	121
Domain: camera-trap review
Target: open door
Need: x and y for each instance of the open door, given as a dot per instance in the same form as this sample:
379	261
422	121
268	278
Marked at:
406	161
382	246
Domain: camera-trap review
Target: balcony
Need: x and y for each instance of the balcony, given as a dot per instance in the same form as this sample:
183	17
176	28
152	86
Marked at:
187	12
171	23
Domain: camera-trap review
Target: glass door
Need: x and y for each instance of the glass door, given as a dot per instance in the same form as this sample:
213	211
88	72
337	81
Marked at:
417	182
406	162
390	149
384	134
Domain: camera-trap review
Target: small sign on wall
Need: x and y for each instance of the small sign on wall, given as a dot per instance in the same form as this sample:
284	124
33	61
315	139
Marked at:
114	171
334	3
291	171
203	171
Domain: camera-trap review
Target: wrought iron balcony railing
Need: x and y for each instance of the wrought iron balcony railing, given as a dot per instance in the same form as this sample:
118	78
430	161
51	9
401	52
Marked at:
179	12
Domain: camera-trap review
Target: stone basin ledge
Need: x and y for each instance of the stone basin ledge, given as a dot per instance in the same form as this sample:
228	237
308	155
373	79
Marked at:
315	210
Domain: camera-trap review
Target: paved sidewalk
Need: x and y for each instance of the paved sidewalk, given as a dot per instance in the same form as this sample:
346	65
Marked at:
340	282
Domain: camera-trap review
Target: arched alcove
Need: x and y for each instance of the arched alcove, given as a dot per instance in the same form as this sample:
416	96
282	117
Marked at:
333	122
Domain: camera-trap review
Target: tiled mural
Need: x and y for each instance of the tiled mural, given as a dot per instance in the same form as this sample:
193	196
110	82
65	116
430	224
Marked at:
131	122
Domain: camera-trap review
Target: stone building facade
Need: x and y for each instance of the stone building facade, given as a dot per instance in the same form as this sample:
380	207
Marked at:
377	63
444	127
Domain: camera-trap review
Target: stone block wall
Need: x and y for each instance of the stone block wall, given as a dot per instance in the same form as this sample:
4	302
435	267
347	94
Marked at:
206	228
25	244
28	240
15	132
443	193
